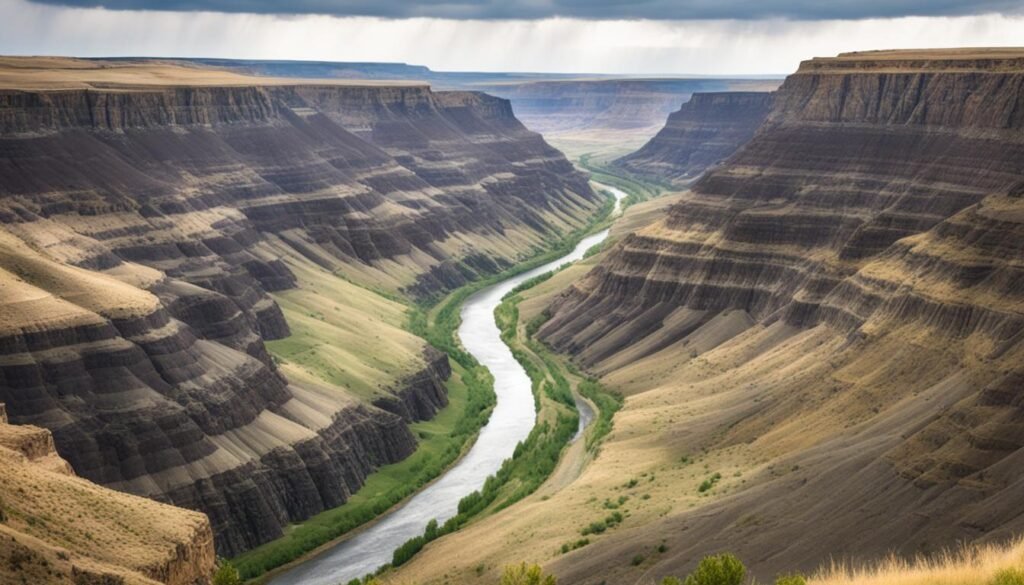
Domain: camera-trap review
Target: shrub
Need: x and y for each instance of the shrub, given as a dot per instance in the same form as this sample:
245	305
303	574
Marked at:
523	574
671	581
723	569
791	579
709	482
1009	577
637	560
226	574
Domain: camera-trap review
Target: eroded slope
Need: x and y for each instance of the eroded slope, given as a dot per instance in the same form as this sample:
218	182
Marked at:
704	132
148	227
833	322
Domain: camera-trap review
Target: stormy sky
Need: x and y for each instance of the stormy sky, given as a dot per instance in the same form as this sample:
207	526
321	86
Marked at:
598	36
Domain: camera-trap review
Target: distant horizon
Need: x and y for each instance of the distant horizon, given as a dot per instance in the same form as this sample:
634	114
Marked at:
574	74
729	38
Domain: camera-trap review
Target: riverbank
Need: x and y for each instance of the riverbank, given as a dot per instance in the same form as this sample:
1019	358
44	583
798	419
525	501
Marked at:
392	487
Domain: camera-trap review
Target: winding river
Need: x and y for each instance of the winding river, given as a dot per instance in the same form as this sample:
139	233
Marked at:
510	423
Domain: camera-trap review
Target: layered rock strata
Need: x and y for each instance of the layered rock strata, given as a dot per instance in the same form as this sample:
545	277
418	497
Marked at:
145	226
704	132
844	298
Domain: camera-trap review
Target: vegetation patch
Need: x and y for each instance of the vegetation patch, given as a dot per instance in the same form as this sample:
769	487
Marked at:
709	483
637	189
442	440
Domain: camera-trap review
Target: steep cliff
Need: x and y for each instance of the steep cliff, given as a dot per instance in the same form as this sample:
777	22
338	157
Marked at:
58	528
704	132
151	217
836	314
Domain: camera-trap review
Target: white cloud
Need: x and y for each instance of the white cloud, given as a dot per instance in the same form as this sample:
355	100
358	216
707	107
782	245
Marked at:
550	45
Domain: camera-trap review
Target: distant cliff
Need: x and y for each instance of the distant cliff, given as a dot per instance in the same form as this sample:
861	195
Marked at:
144	228
843	299
704	132
559	106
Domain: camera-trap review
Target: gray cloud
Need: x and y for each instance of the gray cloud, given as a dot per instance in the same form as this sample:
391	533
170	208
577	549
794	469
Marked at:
585	9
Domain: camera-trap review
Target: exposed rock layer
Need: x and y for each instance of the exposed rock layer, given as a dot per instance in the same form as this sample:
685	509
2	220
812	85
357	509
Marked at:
609	104
848	292
704	132
154	377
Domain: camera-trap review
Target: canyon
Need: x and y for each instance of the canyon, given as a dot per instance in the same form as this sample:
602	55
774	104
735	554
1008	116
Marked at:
211	273
162	224
819	344
578	113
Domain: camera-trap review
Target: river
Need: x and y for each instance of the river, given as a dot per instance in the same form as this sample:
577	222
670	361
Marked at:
510	423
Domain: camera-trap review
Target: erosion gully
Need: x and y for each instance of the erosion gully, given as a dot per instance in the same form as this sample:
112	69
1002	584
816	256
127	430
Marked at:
510	422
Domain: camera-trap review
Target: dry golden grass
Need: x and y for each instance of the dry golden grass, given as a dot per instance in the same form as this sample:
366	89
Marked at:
38	293
49	73
55	524
979	565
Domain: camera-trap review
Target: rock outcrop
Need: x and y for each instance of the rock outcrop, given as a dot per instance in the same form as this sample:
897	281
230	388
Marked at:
145	228
704	132
57	528
844	298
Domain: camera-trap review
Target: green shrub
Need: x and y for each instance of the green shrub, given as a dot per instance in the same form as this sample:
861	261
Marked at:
637	560
1011	576
709	482
671	581
791	579
523	574
723	569
226	574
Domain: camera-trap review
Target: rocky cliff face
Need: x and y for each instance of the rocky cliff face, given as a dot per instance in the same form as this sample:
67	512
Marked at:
61	529
845	295
144	228
704	132
609	104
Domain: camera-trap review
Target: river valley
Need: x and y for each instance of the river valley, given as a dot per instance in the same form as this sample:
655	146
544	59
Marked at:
510	423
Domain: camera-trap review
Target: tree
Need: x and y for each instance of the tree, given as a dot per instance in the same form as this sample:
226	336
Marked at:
723	569
524	574
226	574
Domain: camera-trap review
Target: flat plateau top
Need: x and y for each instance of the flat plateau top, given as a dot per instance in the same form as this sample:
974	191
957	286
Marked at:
57	73
992	59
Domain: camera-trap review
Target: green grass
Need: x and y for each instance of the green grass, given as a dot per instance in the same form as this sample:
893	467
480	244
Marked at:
637	189
441	441
443	438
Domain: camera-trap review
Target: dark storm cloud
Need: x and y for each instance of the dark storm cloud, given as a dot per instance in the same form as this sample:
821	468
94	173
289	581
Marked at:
589	9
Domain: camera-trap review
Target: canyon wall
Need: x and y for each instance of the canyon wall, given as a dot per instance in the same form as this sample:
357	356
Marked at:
146	227
559	106
837	311
704	132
